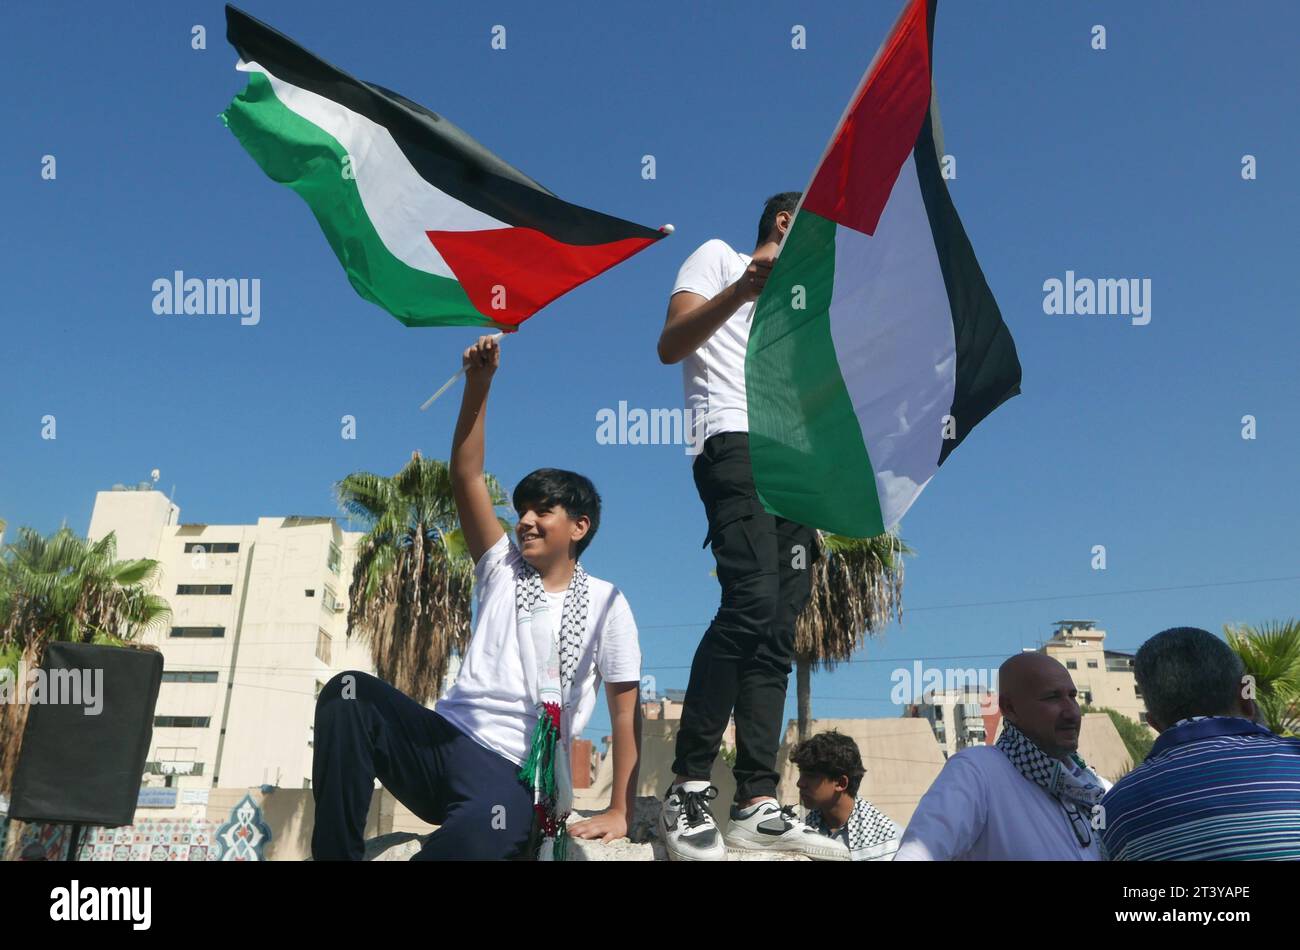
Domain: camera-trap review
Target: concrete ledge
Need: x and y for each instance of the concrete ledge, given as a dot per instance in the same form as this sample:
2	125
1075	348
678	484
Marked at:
398	846
642	843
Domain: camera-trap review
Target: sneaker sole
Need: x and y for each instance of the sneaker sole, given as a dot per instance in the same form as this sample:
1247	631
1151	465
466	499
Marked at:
740	840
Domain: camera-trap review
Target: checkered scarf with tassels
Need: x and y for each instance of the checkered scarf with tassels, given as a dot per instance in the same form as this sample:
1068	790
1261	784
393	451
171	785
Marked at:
547	771
1077	793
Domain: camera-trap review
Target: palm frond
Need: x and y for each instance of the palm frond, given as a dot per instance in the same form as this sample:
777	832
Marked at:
64	587
857	588
1270	653
411	588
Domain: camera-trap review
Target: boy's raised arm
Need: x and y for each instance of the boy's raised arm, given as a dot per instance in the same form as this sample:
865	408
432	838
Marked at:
478	518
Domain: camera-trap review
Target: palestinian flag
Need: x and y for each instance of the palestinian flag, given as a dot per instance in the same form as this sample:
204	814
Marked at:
876	345
427	223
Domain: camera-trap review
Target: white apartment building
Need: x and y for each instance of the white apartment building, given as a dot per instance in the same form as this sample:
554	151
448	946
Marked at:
957	716
1104	678
258	626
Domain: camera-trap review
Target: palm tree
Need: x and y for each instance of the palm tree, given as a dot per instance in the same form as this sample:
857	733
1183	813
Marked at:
411	587
66	588
1271	654
857	587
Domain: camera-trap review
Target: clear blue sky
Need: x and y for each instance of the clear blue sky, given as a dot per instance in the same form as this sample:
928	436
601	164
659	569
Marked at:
1117	163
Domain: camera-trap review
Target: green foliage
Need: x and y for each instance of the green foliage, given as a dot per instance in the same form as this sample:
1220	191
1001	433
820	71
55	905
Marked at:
1137	738
411	586
66	588
9	658
728	754
1270	653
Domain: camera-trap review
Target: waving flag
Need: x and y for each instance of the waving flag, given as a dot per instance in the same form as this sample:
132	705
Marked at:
427	223
876	345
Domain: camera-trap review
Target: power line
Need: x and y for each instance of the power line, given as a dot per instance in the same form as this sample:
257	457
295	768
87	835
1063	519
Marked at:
905	659
307	674
1039	600
902	659
983	603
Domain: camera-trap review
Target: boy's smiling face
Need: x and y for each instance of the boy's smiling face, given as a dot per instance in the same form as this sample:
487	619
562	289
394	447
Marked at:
546	531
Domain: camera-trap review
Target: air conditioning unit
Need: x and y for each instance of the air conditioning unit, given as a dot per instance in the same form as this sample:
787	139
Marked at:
339	607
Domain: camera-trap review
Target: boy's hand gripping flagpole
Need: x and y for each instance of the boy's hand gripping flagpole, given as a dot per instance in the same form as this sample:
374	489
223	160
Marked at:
447	385
665	229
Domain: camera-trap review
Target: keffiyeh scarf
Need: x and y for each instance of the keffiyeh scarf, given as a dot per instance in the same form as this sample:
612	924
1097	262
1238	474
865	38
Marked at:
1076	793
869	833
557	645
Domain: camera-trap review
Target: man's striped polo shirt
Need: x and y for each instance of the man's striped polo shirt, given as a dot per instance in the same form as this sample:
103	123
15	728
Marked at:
1213	789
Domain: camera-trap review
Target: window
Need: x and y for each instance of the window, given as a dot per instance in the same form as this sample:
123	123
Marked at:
1137	690
169	767
335	557
1092	664
311	593
1071	664
322	646
198	631
1085	696
215	547
328	600
189	676
177	753
182	722
203	588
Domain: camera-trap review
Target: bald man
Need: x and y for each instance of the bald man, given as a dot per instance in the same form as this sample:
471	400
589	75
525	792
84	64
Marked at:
1029	797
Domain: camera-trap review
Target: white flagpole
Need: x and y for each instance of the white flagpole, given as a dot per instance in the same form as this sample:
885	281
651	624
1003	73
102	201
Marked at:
447	385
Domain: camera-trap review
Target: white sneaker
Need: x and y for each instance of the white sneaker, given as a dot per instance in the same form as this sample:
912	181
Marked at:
769	827
686	824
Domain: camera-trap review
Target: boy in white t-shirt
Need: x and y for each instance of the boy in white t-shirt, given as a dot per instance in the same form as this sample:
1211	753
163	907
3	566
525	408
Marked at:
491	765
744	660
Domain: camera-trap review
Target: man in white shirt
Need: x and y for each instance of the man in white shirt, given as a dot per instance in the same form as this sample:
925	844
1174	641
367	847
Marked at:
491	766
743	662
1029	797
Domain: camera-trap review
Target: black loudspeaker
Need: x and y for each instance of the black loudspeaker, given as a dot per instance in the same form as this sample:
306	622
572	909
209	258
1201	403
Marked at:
80	768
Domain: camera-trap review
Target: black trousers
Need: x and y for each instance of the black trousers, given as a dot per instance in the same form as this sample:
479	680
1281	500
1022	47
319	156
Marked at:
367	729
743	662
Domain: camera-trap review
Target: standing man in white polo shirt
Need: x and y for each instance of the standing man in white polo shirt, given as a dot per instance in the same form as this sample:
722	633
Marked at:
743	662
